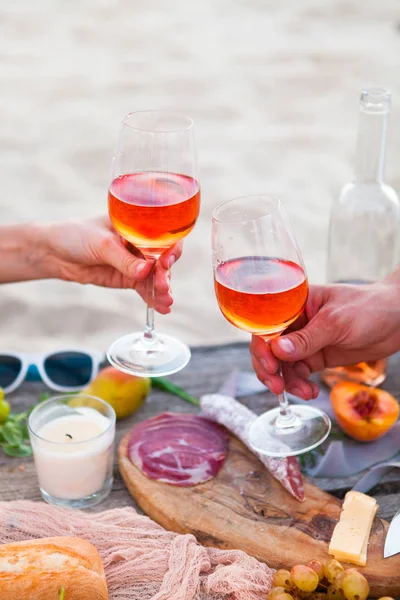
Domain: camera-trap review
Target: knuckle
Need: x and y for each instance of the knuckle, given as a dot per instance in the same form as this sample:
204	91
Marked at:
104	247
127	265
106	243
303	341
291	387
258	347
178	249
339	323
336	317
257	368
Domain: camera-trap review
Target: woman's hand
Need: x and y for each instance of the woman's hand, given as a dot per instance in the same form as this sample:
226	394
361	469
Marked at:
92	252
342	325
85	252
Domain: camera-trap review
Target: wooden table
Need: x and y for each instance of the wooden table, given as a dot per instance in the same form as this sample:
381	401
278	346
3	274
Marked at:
206	372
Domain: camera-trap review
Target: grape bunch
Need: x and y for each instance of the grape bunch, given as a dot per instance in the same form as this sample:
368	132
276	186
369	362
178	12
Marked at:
318	581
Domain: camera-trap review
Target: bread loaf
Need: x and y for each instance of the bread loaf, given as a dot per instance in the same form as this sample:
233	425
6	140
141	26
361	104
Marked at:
40	569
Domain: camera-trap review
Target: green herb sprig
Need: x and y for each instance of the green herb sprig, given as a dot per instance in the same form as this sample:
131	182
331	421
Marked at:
14	434
309	460
167	386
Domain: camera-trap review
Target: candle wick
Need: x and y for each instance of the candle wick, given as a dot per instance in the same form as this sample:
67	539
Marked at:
69	436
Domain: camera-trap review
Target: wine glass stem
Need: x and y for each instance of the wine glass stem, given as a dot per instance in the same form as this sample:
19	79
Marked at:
286	417
149	335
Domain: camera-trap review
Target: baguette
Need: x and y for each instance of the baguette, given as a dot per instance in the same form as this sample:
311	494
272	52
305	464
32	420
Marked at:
40	569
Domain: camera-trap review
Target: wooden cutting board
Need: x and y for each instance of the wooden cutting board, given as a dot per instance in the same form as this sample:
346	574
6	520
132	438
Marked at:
245	508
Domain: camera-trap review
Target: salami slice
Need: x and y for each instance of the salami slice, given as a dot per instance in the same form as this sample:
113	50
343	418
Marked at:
178	449
237	418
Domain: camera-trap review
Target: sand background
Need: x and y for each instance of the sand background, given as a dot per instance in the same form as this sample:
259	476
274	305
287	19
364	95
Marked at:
273	88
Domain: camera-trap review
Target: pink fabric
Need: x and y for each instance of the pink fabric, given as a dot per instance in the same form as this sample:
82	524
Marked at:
142	560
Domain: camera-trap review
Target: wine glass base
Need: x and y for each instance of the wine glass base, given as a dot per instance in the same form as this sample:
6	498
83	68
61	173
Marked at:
163	356
311	428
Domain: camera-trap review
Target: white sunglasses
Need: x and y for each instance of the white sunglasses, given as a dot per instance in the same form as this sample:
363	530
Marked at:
62	371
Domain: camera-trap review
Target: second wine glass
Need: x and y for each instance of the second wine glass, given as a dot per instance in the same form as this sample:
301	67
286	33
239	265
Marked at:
261	287
153	202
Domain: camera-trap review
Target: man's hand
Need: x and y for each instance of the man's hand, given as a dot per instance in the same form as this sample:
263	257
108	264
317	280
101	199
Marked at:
342	325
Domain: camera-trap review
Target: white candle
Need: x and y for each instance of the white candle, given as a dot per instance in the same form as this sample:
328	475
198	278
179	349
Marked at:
73	453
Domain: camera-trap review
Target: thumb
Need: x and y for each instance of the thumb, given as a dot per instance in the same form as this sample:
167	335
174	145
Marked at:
304	343
116	255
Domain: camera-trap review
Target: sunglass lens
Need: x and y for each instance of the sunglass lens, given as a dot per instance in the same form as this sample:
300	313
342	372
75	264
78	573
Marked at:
69	369
10	368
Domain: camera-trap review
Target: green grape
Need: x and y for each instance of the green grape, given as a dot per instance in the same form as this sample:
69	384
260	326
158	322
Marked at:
339	580
283	578
284	596
275	592
355	586
334	593
304	578
332	568
4	411
318	567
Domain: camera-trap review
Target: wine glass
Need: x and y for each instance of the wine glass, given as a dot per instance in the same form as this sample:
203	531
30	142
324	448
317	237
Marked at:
153	202
261	287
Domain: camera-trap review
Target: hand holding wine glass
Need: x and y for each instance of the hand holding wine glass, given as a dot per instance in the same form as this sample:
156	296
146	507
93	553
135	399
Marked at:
261	287
342	325
153	203
87	251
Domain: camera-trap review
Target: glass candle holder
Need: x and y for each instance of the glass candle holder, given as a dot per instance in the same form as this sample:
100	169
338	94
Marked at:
72	440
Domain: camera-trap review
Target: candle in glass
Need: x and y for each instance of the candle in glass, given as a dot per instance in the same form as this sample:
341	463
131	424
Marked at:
72	439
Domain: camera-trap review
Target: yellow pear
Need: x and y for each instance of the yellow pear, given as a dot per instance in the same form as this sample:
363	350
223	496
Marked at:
124	392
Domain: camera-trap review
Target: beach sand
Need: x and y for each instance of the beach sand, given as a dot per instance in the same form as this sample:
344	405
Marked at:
273	87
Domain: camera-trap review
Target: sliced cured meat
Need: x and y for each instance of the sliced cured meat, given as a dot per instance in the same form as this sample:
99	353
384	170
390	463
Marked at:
237	418
178	449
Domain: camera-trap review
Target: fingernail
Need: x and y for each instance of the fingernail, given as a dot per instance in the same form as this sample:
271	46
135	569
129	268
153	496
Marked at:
139	268
296	392
264	364
171	261
287	346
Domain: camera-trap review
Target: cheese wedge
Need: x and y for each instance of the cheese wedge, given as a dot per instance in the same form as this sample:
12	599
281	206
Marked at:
350	537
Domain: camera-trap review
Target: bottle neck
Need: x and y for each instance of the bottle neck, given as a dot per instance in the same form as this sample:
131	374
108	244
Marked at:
371	146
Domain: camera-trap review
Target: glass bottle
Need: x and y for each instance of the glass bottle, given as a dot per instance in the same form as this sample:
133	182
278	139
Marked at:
364	222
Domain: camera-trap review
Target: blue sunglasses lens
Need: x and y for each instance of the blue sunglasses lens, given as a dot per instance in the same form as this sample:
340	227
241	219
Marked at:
69	369
10	368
